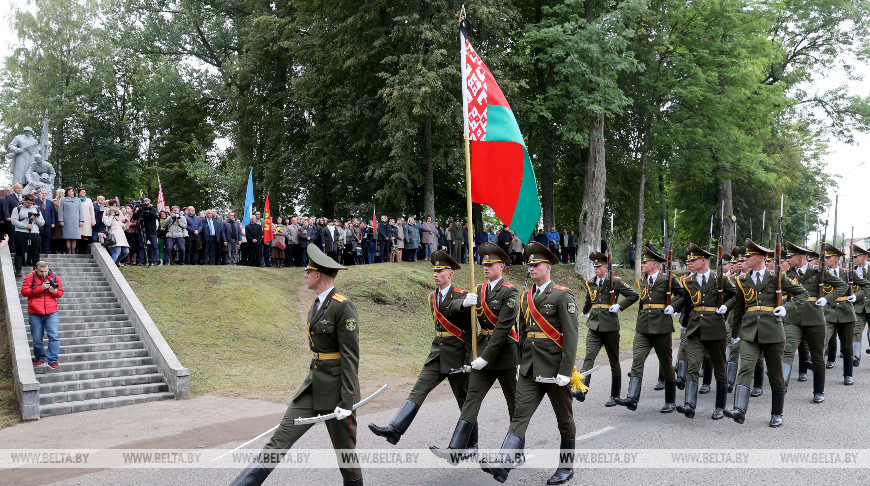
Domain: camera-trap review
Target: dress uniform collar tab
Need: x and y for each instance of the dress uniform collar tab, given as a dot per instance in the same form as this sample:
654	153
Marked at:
492	285
544	288
323	298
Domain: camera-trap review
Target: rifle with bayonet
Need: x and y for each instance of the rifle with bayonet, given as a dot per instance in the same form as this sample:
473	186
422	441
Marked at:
720	284
670	272
852	264
710	235
822	272
777	258
610	261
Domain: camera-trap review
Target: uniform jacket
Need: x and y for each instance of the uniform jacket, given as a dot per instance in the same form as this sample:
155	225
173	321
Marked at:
840	310
541	356
499	350
760	325
651	318
706	321
598	302
333	328
810	314
862	304
451	352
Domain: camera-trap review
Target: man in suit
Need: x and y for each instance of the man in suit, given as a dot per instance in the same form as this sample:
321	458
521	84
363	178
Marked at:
10	202
332	384
194	238
498	304
49	213
254	235
232	232
549	332
757	325
211	230
603	323
385	238
655	325
450	354
330	245
840	313
705	327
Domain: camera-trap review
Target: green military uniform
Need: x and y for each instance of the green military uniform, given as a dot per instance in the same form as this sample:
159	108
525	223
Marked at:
840	313
497	343
861	306
807	322
548	339
653	331
760	332
332	381
448	358
732	350
706	305
604	325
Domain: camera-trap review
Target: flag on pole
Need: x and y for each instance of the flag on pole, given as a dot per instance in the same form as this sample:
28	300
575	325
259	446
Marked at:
502	175
374	223
249	198
267	222
161	203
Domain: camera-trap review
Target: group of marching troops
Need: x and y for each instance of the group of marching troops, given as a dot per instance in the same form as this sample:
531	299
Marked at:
733	323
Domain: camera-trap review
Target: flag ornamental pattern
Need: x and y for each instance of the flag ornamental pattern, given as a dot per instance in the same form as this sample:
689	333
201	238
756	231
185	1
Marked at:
161	203
502	175
267	222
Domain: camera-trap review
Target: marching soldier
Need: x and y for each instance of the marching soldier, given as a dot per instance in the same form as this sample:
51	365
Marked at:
654	329
804	358
732	350
603	323
705	327
807	322
840	314
451	348
861	305
332	381
498	338
548	319
757	326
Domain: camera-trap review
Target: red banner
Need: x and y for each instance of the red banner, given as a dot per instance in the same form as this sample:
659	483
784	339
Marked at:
267	222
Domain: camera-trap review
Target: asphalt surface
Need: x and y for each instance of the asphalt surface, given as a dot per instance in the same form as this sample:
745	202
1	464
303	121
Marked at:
839	424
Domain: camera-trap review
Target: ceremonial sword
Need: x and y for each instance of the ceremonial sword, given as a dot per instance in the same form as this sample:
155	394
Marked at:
541	379
310	420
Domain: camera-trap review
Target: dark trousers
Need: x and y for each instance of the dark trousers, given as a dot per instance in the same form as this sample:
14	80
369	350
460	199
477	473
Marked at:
610	341
529	396
813	336
385	251
210	249
193	244
149	242
431	376
696	349
27	247
643	344
174	243
845	331
45	236
341	432
751	353
256	252
479	384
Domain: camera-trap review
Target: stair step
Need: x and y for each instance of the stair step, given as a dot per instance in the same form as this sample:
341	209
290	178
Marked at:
66	299
108	338
98	364
101	355
95	332
92	393
101	347
64	304
80	323
97	383
99	403
59	376
82	294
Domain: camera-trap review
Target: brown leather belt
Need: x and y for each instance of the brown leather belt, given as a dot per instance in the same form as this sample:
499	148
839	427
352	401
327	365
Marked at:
601	306
335	355
653	306
760	308
701	308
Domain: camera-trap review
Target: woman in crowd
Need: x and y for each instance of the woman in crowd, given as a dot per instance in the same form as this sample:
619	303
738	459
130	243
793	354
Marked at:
132	234
57	231
428	236
397	235
162	257
116	223
71	218
89	220
412	240
279	242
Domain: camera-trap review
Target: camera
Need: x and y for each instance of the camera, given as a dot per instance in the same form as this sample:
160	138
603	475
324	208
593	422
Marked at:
52	282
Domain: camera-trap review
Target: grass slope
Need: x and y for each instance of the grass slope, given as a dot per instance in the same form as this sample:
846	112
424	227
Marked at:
241	330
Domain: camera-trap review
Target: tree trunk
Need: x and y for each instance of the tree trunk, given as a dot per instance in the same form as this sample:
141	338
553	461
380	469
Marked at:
663	208
641	200
428	170
477	217
729	238
592	210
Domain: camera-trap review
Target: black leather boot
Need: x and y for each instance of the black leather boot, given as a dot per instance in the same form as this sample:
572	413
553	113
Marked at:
579	395
253	475
856	353
802	370
670	397
721	396
510	456
741	404
660	384
688	409
757	381
786	373
566	463
847	369
708	378
459	443
776	406
731	371
630	402
353	482
682	369
400	423
818	387
615	389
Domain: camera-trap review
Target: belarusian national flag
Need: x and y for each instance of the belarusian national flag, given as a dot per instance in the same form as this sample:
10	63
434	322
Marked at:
267	222
502	176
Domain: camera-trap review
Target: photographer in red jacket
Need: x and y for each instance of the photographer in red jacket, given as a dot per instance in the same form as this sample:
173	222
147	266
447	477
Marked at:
42	289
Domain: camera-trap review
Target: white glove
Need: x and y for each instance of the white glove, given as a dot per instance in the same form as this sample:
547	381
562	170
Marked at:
614	308
723	309
479	363
735	340
470	300
851	298
682	330
779	311
669	310
466	369
678	314
562	380
584	315
822	302
342	413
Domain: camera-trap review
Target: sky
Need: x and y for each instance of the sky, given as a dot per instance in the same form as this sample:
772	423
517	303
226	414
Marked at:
849	164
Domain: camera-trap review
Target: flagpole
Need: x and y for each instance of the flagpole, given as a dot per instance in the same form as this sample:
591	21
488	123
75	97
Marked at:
470	246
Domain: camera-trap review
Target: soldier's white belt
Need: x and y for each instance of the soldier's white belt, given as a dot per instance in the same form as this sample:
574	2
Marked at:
537	335
760	308
701	308
443	334
601	306
335	355
487	332
653	306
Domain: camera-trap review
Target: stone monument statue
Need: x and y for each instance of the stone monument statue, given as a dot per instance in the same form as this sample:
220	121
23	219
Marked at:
40	175
21	151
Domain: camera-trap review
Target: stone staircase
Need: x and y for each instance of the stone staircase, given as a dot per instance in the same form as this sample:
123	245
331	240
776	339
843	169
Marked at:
103	361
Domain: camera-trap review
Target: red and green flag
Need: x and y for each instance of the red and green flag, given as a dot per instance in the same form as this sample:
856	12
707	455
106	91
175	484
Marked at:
502	175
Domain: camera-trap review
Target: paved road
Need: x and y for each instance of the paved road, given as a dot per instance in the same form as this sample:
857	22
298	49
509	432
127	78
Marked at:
836	424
